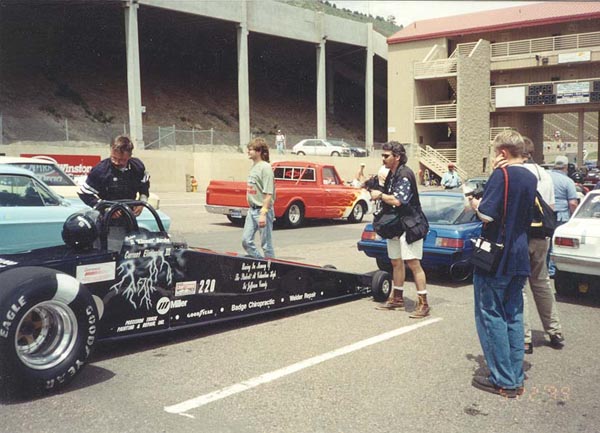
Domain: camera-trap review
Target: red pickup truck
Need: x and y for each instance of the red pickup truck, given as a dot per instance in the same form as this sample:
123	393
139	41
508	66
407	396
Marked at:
303	190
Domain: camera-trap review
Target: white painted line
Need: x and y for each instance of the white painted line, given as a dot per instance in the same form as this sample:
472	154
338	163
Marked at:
179	204
194	403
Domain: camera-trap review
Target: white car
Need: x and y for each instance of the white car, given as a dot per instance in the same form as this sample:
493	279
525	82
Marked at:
316	146
576	249
52	175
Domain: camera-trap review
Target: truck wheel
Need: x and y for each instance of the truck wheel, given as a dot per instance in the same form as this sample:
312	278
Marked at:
358	212
381	285
335	153
300	153
384	264
294	215
48	330
237	221
565	283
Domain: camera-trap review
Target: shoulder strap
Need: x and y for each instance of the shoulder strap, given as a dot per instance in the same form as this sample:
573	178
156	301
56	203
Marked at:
505	171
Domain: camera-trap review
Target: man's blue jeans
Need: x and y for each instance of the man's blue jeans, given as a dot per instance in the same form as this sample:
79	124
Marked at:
499	323
250	229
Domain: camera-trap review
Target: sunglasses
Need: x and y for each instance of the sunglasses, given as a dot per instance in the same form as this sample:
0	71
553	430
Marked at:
386	155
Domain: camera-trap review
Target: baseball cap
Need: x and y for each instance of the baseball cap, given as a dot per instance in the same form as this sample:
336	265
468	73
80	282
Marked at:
561	161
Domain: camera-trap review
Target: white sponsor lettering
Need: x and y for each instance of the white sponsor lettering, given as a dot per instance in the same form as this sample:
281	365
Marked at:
10	316
239	307
310	295
132	255
200	313
296	298
260	304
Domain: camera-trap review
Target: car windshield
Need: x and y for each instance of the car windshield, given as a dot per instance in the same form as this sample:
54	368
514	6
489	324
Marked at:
590	208
48	173
442	209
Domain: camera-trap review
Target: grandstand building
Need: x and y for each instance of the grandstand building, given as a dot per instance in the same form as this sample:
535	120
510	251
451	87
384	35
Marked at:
454	83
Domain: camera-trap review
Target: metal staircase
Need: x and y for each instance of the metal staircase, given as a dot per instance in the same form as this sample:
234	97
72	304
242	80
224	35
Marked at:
437	161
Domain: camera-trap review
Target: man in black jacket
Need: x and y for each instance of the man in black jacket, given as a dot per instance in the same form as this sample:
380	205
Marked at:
118	177
400	190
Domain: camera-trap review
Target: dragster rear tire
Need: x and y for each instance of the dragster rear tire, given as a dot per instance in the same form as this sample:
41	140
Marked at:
47	331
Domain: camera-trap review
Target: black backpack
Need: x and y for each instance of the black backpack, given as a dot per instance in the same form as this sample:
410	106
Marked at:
544	219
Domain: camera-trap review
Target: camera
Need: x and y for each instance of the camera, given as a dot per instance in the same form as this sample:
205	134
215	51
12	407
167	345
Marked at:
372	184
475	193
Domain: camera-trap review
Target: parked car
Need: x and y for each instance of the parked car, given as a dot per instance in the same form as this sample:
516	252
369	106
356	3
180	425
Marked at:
591	178
305	190
447	247
56	303
52	175
576	249
32	215
359	152
317	146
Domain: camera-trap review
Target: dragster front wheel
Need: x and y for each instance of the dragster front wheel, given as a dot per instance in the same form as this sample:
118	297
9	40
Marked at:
381	285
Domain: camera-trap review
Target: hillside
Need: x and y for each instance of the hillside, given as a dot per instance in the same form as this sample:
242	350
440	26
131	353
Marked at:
63	72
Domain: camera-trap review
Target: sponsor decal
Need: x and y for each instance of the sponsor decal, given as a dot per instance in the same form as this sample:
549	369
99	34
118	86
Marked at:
252	304
4	263
200	313
96	272
140	323
73	165
303	297
255	276
185	288
164	304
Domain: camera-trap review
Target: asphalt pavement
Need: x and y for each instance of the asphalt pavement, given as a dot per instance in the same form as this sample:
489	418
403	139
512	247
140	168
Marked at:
342	367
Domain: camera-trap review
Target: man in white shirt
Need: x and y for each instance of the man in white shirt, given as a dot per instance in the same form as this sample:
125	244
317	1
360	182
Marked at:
539	280
451	179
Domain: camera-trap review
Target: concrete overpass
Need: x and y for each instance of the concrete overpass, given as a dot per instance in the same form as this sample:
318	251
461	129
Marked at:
270	18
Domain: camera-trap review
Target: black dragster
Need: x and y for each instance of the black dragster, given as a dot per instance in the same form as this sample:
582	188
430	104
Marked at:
56	303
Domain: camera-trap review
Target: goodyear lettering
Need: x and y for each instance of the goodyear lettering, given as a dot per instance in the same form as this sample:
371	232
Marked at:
198	314
10	316
79	363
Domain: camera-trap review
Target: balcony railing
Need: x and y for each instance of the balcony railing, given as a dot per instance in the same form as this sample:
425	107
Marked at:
435	68
552	43
435	113
443	67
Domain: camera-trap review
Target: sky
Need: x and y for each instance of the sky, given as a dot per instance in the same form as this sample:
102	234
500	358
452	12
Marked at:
407	12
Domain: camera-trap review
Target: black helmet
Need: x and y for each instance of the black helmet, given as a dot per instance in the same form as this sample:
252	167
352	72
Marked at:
80	230
577	177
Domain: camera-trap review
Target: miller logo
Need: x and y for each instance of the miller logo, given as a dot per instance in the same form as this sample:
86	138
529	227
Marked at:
163	305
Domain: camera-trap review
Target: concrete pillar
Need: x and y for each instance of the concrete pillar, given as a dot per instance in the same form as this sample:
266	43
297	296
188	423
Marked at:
580	137
243	86
321	77
369	89
330	87
134	86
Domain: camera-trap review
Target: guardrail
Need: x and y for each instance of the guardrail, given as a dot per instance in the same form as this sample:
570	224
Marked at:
551	43
435	113
435	68
438	160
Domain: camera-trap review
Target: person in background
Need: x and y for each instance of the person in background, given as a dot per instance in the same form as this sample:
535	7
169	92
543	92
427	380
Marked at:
280	142
565	195
451	179
360	177
400	190
260	194
118	177
539	280
498	296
